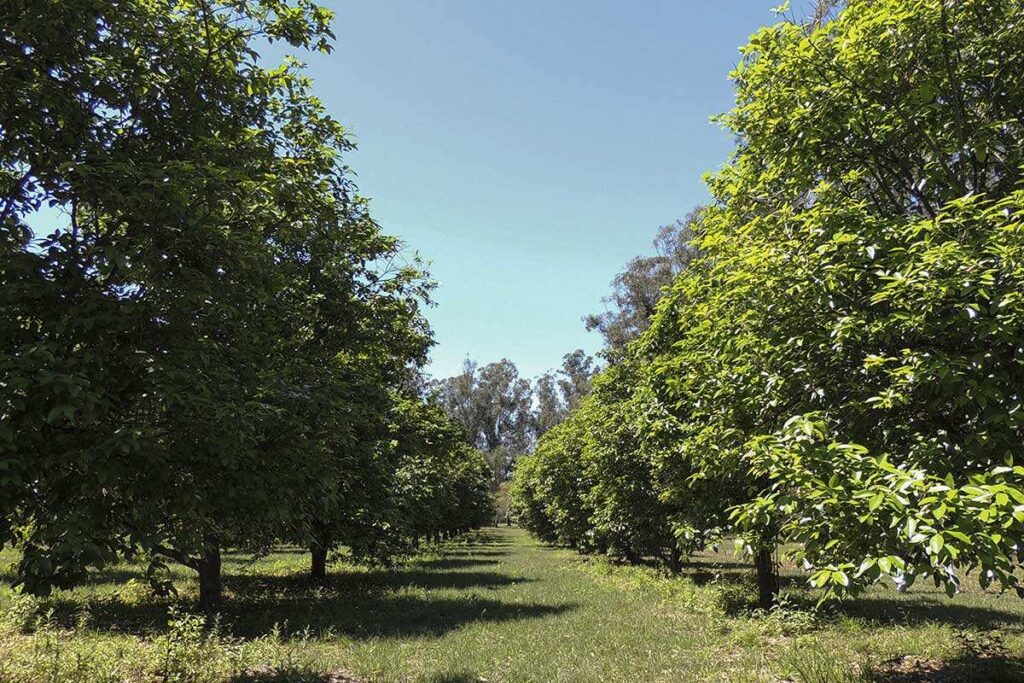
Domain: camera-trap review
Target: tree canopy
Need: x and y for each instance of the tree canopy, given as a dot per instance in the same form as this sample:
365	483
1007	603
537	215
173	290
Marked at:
839	366
202	330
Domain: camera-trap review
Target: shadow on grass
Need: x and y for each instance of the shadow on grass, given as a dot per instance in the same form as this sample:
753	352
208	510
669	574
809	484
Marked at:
481	538
389	616
455	563
352	615
993	669
478	553
382	603
923	609
262	586
118	575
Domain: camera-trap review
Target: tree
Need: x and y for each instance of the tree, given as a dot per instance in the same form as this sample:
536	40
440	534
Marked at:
558	394
198	354
629	514
843	359
839	366
526	500
493	404
442	485
589	484
558	488
637	289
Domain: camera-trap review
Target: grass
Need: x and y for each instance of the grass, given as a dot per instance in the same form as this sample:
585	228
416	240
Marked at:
497	606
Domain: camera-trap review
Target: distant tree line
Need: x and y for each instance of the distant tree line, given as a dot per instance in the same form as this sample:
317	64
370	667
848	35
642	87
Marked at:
839	366
503	414
205	339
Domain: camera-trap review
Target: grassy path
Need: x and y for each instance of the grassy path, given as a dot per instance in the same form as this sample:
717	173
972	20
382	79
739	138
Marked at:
502	607
496	606
508	609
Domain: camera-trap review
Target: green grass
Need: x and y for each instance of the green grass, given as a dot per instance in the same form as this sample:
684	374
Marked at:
497	606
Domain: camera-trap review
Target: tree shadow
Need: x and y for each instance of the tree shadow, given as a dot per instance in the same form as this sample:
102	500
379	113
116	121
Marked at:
478	553
367	616
118	575
484	538
370	604
925	609
991	669
455	563
358	616
386	580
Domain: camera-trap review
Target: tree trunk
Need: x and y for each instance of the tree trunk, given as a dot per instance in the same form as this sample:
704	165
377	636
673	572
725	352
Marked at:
767	578
210	589
675	560
318	558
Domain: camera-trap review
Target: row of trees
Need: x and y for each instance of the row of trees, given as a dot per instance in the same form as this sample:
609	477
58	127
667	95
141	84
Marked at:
840	364
205	340
505	414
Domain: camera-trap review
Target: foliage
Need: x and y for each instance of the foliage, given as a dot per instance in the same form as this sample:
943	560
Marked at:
588	485
636	290
550	486
840	365
203	330
442	485
492	403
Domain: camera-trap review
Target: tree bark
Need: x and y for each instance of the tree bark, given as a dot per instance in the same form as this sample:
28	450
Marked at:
767	578
318	548
675	560
210	588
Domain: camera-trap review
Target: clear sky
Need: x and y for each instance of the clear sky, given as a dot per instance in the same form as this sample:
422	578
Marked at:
528	149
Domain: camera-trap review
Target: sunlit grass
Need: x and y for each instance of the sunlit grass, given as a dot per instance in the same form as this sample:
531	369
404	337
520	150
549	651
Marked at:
497	606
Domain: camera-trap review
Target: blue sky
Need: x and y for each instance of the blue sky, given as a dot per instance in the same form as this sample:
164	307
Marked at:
529	149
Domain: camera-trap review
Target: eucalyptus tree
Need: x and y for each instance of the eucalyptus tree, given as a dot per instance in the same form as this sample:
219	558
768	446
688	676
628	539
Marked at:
494	405
638	287
556	394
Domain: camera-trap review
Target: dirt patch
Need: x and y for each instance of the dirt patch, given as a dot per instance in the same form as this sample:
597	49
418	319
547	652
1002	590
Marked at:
268	674
911	669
